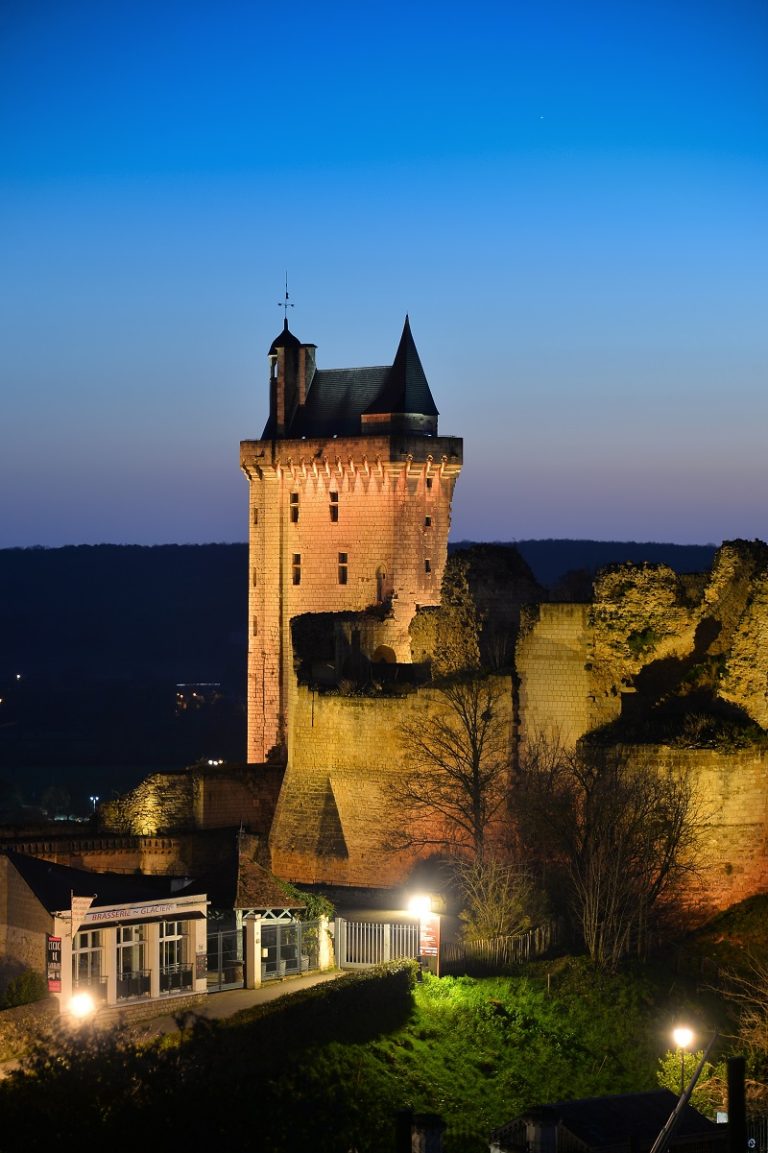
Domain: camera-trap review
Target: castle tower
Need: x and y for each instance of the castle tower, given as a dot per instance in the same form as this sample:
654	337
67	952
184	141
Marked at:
350	503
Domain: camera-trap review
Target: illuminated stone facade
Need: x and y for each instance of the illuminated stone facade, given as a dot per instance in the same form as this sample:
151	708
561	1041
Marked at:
350	504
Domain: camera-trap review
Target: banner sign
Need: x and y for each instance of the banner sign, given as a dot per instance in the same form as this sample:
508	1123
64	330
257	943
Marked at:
53	964
429	935
80	906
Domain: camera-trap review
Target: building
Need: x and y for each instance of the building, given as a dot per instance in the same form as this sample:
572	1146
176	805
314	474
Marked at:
350	504
126	940
610	1124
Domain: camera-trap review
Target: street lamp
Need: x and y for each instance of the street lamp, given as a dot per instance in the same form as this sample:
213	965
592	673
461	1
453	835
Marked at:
683	1037
94	803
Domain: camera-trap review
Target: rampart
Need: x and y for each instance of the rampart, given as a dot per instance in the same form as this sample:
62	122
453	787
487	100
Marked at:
334	816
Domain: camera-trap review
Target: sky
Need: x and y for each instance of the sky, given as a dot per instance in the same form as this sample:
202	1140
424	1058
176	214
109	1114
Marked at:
569	200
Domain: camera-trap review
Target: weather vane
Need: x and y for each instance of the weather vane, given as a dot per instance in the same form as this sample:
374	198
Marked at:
285	304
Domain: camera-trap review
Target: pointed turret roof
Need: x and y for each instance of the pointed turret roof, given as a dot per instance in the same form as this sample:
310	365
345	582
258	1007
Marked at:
286	339
406	389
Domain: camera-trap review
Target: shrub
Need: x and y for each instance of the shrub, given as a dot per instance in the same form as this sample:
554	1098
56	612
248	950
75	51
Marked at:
23	989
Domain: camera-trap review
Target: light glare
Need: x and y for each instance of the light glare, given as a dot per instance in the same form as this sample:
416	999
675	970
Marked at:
81	1005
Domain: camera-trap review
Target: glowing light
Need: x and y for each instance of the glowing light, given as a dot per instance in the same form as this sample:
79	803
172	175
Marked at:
420	904
82	1005
682	1036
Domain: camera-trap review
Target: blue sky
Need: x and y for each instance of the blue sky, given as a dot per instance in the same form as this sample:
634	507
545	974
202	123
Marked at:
569	200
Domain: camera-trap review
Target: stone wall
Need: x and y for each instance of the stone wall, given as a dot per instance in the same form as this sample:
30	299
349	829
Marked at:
334	811
338	525
731	799
199	798
557	700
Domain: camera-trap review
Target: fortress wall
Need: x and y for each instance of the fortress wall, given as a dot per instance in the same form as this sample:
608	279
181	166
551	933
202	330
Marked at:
206	798
333	814
731	790
557	700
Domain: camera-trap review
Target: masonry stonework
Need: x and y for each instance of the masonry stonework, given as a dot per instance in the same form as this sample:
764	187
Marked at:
350	501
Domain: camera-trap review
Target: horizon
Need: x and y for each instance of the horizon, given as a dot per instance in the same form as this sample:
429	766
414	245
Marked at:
569	203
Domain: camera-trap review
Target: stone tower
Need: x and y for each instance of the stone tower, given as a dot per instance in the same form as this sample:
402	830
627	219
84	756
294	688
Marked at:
350	504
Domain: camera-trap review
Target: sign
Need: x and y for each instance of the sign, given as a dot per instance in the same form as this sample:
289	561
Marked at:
80	906
429	935
53	964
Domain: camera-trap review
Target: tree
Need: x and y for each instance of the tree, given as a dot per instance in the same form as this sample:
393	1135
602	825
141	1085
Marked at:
460	756
747	991
622	832
498	897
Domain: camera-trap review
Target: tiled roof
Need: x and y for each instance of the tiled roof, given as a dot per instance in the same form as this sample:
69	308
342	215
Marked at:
336	399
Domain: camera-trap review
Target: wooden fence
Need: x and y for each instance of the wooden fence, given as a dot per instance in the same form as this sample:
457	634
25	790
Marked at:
497	954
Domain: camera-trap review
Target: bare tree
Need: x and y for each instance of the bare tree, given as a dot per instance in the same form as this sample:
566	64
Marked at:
499	897
622	833
747	990
459	758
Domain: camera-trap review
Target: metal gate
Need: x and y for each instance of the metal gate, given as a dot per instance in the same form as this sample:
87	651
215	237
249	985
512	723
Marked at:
288	948
360	944
225	959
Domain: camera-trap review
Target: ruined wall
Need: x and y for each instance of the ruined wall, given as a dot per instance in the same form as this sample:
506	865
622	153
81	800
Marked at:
651	646
334	812
557	697
731	799
206	798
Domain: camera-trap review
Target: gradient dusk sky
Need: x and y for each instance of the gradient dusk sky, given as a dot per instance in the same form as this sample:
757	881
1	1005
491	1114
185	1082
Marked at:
570	200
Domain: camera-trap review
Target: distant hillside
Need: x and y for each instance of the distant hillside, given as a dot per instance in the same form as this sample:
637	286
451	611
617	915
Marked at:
550	560
95	639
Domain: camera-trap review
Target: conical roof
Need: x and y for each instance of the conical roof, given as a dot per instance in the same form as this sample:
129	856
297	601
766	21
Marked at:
406	389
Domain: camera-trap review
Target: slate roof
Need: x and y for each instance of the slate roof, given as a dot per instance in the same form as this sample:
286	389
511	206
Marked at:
244	884
53	884
337	398
605	1122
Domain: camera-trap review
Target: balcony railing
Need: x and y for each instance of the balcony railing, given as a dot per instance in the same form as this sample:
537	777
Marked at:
176	978
134	984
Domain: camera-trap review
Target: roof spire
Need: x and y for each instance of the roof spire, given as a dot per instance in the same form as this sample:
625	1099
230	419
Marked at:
285	304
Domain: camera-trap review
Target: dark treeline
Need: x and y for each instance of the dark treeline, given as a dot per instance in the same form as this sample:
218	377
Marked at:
551	560
95	639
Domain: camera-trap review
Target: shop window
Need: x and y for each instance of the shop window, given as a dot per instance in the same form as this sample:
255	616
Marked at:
296	568
87	964
132	974
343	568
175	967
294	508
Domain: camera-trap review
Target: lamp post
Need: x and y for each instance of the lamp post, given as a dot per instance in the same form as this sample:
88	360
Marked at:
94	803
682	1036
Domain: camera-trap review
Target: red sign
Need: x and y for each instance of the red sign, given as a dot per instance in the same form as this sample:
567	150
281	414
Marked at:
53	960
429	936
